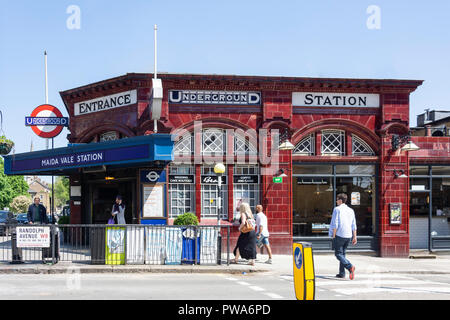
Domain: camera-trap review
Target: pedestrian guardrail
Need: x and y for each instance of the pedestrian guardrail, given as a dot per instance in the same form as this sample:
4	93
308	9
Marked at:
117	244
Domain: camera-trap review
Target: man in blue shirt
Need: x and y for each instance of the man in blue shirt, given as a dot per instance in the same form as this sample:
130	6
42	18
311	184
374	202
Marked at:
343	230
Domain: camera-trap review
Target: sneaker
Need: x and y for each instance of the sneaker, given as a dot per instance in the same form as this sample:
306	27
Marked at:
269	261
340	276
352	273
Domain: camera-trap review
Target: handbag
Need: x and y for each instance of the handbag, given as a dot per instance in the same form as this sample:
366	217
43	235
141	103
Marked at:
111	221
248	226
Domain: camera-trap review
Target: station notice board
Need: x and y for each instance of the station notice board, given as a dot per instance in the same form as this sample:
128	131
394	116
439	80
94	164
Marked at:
153	200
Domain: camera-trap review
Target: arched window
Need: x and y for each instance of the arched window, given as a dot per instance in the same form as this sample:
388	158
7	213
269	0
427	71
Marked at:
242	145
306	146
184	145
360	148
213	141
109	136
333	142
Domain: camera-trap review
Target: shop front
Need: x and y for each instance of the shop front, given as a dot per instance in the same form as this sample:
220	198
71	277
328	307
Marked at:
315	187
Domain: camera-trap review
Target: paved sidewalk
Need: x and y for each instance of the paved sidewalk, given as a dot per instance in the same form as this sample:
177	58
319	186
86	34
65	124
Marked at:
324	264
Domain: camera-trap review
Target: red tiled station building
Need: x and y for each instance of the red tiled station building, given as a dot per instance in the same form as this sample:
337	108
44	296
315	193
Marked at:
341	129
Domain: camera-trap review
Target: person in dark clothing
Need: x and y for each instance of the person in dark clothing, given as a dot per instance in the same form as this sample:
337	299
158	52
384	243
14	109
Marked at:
37	213
246	244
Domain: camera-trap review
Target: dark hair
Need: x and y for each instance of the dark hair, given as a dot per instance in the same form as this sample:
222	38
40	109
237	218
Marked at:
342	196
119	197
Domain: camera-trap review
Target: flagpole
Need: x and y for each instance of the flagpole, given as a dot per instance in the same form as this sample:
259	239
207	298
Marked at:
155	122
52	202
46	88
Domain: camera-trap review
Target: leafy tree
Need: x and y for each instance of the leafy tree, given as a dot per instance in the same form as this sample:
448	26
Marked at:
61	191
10	187
20	204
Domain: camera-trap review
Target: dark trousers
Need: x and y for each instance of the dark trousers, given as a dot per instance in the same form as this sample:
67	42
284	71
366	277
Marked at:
340	247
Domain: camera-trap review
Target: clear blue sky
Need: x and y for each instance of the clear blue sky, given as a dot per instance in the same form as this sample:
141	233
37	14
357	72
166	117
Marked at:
323	38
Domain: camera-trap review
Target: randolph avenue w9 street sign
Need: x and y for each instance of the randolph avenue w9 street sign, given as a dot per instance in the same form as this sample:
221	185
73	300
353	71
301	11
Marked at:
47	121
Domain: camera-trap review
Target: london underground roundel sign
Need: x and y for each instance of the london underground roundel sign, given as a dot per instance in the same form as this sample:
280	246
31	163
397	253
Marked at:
46	121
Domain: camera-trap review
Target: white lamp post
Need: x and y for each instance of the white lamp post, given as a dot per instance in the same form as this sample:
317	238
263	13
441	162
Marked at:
219	170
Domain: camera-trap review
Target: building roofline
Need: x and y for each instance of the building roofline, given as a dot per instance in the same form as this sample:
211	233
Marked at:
413	84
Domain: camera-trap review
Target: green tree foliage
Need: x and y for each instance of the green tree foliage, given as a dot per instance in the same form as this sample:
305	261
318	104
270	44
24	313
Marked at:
61	191
10	187
20	204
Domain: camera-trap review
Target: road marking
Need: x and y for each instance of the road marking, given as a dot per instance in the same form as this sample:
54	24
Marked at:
256	288
374	282
436	290
231	279
243	283
273	295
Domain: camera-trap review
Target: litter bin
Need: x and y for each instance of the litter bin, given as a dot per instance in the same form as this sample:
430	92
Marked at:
47	253
97	245
16	252
188	246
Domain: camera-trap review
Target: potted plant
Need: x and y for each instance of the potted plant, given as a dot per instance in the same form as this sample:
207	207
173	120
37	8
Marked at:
189	236
5	145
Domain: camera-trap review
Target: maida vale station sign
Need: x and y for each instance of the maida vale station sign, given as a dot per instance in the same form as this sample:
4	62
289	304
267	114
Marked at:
244	98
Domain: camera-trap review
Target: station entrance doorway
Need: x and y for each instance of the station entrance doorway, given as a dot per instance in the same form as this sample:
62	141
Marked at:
102	195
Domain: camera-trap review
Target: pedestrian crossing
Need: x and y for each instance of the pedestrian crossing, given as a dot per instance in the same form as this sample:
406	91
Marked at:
385	284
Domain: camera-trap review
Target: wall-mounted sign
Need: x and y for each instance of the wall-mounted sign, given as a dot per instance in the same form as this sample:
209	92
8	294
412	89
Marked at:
33	237
153	201
277	180
332	99
208	179
246	179
395	213
153	176
106	103
176	178
215	97
46	121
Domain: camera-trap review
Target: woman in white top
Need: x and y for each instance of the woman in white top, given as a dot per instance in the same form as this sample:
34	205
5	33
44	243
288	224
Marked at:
118	211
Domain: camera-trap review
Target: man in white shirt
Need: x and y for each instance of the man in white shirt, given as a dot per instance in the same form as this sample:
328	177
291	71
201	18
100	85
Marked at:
343	230
262	232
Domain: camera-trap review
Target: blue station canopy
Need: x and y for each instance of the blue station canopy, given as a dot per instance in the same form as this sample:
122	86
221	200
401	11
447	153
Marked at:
130	152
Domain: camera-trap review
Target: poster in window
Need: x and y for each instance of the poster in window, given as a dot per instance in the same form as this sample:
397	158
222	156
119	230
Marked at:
395	213
356	199
153	198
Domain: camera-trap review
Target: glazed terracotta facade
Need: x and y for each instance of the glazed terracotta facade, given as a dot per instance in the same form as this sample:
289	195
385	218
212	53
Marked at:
374	125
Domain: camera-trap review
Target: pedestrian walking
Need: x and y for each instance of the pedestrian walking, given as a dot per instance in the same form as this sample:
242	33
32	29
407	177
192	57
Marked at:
343	230
37	213
246	244
118	211
262	232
